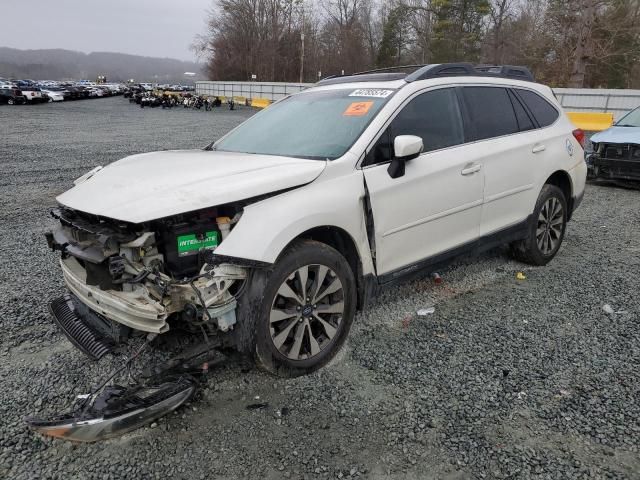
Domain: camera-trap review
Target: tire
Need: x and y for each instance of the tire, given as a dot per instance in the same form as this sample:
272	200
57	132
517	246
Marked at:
547	228
11	101
293	343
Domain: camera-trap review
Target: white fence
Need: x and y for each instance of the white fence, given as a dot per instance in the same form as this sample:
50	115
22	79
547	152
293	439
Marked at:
271	91
617	102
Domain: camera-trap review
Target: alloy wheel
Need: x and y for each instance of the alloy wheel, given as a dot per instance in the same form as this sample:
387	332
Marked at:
306	312
550	225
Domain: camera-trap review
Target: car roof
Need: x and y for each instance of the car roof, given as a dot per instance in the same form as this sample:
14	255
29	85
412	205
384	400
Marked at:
438	81
398	76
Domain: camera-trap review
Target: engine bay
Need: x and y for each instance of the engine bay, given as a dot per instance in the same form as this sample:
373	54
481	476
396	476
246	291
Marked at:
149	275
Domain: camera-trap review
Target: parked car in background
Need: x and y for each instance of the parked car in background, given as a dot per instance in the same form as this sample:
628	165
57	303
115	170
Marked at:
79	92
32	93
66	94
94	92
12	96
42	91
615	152
54	96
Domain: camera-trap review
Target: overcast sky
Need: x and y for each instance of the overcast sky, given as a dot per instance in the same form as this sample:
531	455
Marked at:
157	28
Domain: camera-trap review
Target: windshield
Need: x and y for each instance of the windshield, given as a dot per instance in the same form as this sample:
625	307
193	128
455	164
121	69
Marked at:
631	119
316	125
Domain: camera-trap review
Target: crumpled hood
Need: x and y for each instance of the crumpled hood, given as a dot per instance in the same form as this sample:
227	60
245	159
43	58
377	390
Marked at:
618	135
148	186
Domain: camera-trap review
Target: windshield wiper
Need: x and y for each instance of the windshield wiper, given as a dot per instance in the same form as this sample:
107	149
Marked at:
625	125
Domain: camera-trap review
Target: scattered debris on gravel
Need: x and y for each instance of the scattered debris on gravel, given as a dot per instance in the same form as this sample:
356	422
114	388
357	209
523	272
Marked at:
504	379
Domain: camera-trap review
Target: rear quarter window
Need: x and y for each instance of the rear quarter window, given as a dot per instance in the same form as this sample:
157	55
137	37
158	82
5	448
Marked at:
524	121
542	110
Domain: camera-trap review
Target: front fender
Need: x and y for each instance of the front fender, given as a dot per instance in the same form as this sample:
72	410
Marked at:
267	227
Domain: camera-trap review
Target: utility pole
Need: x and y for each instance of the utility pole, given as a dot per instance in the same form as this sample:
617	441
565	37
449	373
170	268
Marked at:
302	57
302	46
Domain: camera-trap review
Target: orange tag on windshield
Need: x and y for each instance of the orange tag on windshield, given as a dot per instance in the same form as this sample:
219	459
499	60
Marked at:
358	109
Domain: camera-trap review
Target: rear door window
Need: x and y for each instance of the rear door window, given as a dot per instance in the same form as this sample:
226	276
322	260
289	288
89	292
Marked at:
490	111
542	110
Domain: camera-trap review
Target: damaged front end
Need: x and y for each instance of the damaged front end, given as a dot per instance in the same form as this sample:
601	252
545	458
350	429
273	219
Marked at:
615	162
130	280
143	277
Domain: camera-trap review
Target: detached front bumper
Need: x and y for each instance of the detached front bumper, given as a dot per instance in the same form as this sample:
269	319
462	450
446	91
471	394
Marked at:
136	309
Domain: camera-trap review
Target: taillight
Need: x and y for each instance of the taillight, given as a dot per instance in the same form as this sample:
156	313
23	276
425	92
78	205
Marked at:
579	136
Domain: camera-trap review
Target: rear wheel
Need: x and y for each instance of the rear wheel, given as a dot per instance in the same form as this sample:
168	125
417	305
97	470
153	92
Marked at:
296	317
546	230
11	101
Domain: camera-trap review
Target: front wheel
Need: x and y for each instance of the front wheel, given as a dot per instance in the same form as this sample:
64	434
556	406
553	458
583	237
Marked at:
546	230
296	317
11	101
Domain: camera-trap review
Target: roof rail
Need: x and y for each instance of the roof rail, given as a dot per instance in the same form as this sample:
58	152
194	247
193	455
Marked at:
390	69
508	71
375	70
442	70
362	77
423	72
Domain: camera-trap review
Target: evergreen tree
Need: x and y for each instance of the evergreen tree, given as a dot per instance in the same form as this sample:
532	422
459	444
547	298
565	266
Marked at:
392	44
458	29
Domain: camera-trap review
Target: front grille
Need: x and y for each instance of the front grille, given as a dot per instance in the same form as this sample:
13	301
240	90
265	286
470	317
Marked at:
623	151
79	235
80	333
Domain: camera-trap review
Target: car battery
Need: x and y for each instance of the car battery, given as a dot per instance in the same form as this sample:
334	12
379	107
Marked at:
183	245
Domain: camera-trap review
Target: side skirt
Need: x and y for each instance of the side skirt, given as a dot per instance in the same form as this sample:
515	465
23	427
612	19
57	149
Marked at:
430	264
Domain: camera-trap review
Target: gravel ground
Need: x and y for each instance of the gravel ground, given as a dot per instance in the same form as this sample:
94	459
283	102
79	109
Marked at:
507	379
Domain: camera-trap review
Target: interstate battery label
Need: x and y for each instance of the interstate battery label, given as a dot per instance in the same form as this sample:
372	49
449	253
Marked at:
192	243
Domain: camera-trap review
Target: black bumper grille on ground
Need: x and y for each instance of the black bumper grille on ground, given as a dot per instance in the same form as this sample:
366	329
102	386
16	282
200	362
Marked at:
66	315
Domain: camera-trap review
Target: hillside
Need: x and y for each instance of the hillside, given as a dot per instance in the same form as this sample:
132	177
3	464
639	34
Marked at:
58	64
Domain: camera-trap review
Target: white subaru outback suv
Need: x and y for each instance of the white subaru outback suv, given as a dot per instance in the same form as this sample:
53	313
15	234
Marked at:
271	238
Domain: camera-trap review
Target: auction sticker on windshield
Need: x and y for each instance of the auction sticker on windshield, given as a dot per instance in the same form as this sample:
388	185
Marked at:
358	109
371	92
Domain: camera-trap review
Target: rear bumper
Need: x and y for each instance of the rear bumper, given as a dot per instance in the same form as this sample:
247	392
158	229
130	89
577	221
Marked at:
575	203
136	309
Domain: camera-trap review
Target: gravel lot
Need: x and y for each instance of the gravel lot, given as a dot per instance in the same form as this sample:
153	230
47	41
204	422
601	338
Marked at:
507	379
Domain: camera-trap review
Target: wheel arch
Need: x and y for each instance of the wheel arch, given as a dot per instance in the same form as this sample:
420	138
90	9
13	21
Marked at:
344	243
562	180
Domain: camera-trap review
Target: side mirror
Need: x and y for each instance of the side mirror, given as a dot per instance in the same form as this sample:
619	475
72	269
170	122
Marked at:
406	147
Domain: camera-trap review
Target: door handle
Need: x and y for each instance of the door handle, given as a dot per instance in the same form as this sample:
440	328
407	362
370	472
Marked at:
538	148
471	169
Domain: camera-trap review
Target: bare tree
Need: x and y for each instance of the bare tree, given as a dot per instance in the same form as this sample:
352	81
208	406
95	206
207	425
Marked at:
565	42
